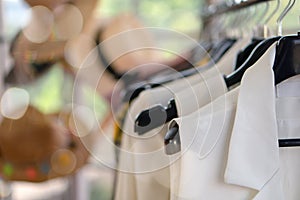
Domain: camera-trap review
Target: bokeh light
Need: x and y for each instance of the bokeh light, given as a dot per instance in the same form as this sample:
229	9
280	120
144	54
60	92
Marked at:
40	24
14	103
7	169
45	167
78	48
68	21
82	121
63	161
31	173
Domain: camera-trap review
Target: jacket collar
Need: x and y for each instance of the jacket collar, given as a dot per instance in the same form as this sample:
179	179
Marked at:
253	157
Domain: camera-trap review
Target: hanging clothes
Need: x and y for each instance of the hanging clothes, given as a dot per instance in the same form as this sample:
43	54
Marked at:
227	133
273	116
204	142
256	168
131	142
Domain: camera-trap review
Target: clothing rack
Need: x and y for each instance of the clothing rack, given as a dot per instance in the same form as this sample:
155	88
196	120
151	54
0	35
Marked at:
208	14
217	9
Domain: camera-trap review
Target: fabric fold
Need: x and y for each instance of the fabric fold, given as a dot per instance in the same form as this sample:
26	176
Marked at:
253	157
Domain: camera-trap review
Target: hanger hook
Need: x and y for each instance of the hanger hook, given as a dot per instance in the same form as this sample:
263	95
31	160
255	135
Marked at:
257	27
283	14
237	22
264	13
251	19
266	30
273	13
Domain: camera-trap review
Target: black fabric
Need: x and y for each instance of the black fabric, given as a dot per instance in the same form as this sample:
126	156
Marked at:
108	67
246	52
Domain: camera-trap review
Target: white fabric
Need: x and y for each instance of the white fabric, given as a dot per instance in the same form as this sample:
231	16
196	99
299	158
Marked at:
264	114
198	95
204	142
143	186
144	156
256	113
288	118
187	101
205	136
127	186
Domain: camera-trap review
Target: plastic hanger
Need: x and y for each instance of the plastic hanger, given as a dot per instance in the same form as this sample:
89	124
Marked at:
222	48
142	123
134	90
161	115
237	75
287	63
172	139
255	54
259	50
246	52
155	117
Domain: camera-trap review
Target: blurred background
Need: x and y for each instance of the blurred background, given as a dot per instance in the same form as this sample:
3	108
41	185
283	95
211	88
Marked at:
95	181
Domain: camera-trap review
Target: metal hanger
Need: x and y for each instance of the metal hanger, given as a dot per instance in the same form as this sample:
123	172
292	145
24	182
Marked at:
172	139
286	63
291	3
266	31
243	55
257	30
257	52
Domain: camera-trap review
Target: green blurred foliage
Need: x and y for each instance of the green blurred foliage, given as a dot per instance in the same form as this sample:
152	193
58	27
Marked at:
180	15
54	90
46	92
184	16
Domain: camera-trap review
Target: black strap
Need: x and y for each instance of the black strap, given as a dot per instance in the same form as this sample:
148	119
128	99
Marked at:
108	67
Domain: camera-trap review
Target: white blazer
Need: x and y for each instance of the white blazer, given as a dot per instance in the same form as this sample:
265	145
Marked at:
204	142
210	85
143	166
205	136
266	113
